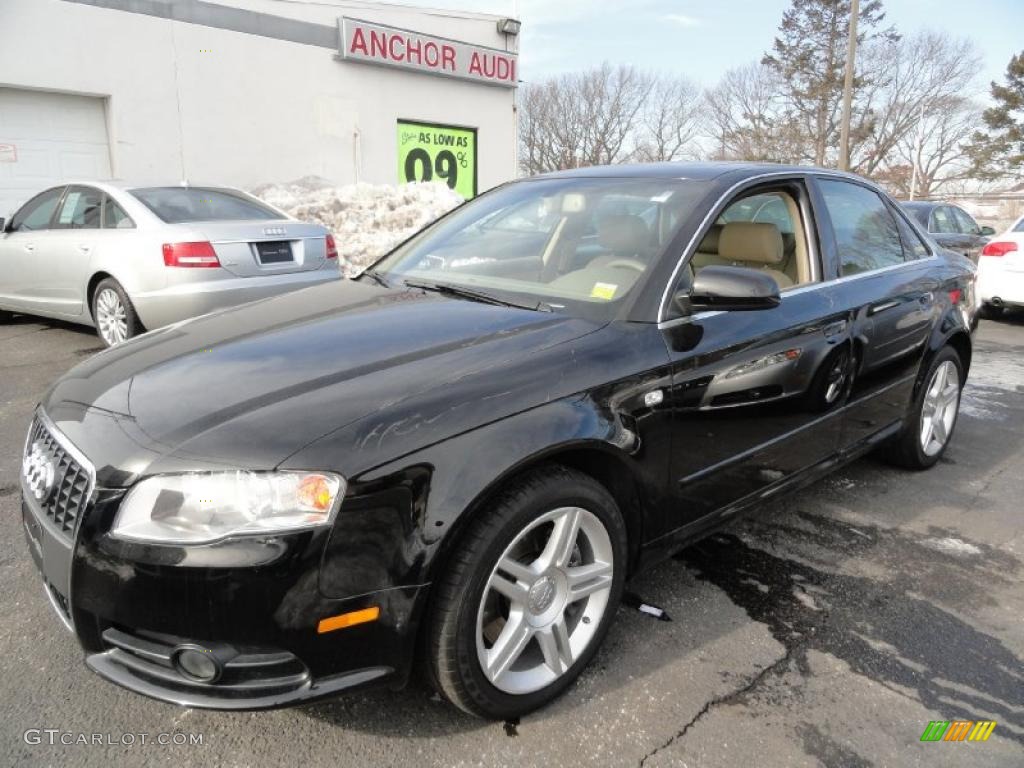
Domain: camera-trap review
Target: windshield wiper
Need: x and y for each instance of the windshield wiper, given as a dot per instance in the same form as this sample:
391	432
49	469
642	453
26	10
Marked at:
375	276
447	289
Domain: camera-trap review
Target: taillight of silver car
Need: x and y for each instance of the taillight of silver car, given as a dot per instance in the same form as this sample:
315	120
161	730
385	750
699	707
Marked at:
200	254
332	249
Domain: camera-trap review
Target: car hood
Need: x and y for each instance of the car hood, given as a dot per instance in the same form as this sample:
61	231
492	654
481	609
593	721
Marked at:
249	386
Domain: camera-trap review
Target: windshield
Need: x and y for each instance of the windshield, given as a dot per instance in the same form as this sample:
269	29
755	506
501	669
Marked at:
574	245
176	205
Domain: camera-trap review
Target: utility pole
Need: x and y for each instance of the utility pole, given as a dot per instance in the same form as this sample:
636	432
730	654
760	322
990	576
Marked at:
851	60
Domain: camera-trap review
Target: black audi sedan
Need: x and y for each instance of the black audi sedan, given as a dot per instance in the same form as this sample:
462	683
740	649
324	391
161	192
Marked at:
950	226
456	460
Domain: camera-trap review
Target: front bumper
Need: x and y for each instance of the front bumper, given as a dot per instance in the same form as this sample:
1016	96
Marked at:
256	603
186	300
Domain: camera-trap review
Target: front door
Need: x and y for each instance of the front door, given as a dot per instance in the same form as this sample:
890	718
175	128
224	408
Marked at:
756	395
23	283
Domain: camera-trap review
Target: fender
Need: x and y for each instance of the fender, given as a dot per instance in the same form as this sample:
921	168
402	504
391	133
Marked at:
424	501
953	327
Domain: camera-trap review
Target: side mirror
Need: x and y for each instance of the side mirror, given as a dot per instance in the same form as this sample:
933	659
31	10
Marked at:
987	231
731	288
3	224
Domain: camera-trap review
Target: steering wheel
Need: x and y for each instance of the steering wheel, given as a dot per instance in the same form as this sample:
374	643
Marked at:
636	264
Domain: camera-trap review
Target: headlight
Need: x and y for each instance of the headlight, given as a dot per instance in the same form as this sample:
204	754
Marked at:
199	508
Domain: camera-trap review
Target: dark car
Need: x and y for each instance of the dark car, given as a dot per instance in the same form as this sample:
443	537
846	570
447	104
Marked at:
951	227
460	457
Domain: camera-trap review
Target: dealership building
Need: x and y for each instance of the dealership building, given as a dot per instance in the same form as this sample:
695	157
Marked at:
245	92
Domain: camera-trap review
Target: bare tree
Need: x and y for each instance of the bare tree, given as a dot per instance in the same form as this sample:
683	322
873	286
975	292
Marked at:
585	118
919	78
936	151
747	120
670	122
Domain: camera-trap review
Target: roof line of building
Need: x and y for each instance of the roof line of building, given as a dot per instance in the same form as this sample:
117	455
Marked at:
223	17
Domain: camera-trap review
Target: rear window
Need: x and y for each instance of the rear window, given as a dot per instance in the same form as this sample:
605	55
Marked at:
176	205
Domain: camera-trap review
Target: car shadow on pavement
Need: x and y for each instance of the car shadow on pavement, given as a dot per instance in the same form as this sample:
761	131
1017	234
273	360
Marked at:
893	630
893	605
46	324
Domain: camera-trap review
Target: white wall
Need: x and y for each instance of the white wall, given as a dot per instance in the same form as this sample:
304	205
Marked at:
252	109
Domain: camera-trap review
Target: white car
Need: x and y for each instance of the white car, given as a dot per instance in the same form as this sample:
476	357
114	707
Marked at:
131	258
1001	271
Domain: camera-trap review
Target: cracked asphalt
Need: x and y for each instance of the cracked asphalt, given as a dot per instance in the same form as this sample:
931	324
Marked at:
826	629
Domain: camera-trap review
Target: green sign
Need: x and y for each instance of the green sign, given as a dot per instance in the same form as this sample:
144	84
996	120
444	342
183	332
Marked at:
428	152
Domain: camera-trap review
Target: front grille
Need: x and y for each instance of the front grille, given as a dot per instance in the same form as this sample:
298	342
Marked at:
72	481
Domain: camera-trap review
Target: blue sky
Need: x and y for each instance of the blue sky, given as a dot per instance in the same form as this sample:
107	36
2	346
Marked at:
702	39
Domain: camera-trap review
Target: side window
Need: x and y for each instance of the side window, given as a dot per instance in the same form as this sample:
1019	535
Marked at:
913	245
867	236
967	225
943	222
37	212
81	209
114	216
760	231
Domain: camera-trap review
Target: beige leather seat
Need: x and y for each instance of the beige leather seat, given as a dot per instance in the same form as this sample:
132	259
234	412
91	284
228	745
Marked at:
745	244
629	240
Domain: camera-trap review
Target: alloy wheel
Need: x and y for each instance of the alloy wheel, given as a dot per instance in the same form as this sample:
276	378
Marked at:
938	412
836	378
111	317
544	600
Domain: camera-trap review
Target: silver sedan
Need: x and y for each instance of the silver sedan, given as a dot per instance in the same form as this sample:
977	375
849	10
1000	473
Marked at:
126	259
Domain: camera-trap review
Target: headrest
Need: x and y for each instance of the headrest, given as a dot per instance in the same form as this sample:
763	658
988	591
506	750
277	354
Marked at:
623	235
710	242
749	241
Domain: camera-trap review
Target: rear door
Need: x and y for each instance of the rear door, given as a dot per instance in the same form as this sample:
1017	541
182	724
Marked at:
973	240
946	230
884	281
24	278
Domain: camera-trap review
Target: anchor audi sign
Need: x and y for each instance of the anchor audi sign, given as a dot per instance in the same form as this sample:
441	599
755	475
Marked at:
373	43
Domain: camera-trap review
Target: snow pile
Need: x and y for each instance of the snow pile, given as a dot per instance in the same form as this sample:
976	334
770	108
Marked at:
367	220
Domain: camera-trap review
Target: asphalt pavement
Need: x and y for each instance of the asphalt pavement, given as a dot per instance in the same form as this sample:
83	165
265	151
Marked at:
826	629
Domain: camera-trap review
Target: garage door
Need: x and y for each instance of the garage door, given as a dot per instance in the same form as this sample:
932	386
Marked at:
46	138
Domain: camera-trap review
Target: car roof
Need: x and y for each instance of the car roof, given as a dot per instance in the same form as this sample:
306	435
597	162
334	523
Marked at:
686	170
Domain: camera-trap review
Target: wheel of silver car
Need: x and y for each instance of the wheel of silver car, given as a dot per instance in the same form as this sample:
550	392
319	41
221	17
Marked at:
544	600
939	410
529	594
113	313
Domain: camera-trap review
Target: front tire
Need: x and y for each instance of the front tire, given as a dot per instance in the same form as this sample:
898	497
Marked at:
529	594
929	427
114	314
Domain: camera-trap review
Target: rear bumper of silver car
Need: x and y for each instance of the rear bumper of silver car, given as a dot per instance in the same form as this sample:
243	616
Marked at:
180	302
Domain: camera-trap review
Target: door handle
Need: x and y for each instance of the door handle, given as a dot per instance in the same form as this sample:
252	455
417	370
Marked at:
875	309
84	248
30	246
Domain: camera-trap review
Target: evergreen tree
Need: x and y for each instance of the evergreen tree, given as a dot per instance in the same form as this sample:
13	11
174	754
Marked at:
999	152
809	54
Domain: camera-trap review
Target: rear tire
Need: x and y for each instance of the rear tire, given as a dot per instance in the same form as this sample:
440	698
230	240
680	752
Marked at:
991	311
114	314
932	419
546	617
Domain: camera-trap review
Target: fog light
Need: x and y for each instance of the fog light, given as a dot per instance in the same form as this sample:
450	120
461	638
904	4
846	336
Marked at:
197	664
